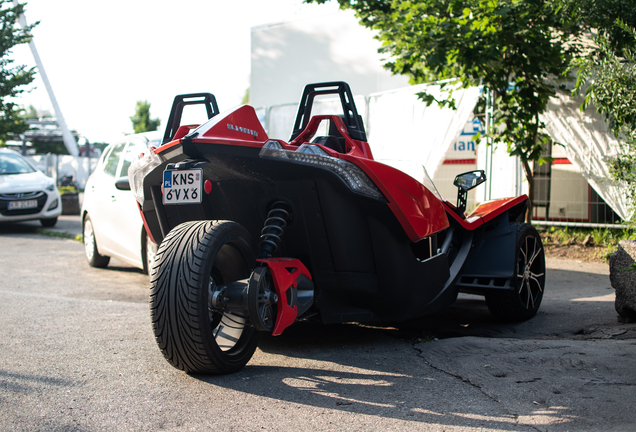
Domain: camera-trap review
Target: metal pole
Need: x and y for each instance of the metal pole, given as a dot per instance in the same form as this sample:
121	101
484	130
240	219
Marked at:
24	145
67	136
489	145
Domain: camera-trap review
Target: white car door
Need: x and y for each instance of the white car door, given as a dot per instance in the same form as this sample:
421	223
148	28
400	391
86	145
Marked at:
126	219
101	195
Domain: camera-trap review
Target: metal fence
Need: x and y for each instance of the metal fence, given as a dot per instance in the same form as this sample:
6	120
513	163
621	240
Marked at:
56	166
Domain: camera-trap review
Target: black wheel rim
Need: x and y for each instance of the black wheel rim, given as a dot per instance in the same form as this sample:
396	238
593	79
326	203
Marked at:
262	300
227	328
530	272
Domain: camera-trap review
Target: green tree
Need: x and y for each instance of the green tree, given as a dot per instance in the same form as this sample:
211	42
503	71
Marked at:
519	50
141	120
30	113
13	78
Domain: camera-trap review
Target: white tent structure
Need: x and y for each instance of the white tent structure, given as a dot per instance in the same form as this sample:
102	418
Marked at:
589	145
405	133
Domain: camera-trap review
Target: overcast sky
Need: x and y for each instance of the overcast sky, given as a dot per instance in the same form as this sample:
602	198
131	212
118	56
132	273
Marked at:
103	57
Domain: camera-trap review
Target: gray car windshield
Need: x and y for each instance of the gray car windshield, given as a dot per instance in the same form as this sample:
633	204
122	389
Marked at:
13	164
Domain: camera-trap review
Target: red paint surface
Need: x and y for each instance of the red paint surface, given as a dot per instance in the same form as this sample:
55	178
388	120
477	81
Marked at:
460	161
285	273
486	211
143	218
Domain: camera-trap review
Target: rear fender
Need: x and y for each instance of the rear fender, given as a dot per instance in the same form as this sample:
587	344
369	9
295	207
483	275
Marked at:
491	262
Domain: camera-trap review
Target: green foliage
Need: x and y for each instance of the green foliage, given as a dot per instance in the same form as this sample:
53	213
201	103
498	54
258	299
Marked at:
30	113
141	120
58	234
601	15
520	50
13	78
66	189
606	240
246	97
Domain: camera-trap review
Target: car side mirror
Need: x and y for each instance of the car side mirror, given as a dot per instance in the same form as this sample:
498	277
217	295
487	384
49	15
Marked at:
469	180
122	183
465	182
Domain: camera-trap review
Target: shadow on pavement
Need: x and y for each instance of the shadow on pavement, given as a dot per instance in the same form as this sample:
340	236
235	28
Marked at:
360	370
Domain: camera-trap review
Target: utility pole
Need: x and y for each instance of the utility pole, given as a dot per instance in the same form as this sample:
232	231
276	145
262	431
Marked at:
67	136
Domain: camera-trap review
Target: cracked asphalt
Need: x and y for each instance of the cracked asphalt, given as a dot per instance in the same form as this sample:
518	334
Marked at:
77	354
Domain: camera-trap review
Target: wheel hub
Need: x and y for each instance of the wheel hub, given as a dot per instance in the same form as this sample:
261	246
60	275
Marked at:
262	300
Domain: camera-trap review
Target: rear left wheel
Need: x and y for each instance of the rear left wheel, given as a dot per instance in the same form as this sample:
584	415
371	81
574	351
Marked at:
90	246
148	252
193	260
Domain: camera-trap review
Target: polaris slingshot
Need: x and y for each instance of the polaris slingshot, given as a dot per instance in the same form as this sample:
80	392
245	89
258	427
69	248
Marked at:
257	233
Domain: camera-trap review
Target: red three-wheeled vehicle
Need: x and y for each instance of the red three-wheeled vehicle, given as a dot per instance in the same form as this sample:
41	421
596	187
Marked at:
257	233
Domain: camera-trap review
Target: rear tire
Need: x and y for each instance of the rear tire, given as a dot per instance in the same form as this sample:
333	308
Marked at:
90	246
522	302
192	258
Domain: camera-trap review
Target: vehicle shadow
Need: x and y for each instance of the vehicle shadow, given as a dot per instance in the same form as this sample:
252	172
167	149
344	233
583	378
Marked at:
374	371
380	369
120	267
19	227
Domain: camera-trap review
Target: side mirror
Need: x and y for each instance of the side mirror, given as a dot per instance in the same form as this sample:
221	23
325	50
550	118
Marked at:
122	183
465	182
469	180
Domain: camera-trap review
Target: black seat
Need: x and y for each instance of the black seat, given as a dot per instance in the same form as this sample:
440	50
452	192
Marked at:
334	140
331	142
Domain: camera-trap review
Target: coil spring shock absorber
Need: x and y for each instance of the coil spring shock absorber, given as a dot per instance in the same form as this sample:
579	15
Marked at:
261	294
274	228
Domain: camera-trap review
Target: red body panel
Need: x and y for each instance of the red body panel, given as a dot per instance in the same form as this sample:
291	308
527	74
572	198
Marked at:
285	273
486	211
420	213
143	218
237	126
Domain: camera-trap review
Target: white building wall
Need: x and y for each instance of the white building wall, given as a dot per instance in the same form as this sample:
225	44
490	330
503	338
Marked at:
333	47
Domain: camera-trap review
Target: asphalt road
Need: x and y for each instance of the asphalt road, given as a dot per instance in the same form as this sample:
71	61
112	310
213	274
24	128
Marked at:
77	354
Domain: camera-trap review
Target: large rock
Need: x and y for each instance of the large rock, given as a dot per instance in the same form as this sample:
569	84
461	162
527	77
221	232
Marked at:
624	282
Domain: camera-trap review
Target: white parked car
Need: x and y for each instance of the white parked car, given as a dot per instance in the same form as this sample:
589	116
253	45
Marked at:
25	192
111	220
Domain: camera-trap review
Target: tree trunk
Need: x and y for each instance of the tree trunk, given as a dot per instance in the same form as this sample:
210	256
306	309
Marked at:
530	178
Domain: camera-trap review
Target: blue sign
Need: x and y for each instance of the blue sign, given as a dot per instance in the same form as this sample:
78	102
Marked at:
167	179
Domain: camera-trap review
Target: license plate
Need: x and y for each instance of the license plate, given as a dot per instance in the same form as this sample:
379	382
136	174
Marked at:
15	205
182	186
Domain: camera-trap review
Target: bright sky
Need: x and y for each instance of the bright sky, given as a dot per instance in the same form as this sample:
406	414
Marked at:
103	57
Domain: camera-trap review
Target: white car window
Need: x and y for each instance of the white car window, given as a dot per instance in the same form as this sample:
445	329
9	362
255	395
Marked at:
112	160
14	164
132	150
